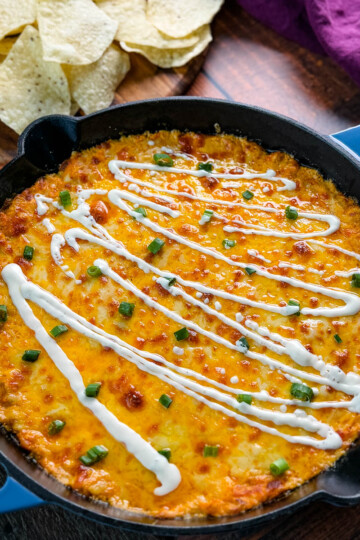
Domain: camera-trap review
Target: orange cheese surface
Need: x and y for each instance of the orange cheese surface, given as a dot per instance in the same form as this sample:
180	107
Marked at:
34	394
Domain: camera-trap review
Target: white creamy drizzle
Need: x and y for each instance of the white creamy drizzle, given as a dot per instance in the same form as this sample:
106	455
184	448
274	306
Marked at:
352	301
139	200
57	242
347	273
145	193
332	221
255	253
48	225
20	290
41	206
338	248
283	264
116	164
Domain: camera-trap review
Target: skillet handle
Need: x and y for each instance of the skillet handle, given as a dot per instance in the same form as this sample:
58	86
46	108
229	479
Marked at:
350	139
14	496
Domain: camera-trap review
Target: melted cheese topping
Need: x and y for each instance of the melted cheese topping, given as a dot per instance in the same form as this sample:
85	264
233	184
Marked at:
235	277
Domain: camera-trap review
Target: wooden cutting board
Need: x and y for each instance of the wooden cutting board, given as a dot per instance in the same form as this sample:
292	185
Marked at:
144	81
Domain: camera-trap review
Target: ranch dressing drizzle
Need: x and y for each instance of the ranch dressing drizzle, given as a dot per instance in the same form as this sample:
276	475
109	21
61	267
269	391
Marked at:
352	302
338	248
139	200
41	206
187	157
115	164
255	253
20	290
48	225
145	193
283	264
57	242
168	474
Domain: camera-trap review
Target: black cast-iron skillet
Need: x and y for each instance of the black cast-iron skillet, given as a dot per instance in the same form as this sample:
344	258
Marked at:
42	148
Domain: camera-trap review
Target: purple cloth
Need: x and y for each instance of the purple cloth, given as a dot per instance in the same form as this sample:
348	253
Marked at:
324	26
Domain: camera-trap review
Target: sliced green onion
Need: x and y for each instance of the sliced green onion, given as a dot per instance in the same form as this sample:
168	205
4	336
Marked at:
291	212
210	451
163	160
228	243
28	253
165	401
58	330
56	426
140	210
206	217
155	246
93	389
301	391
31	355
171	280
94	271
247	195
279	466
244	398
126	309
3	313
96	453
355	281
181	334
337	338
250	271
65	198
208	167
166	452
243	343
294	303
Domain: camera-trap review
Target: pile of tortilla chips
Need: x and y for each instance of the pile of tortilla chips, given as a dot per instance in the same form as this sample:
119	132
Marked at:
59	56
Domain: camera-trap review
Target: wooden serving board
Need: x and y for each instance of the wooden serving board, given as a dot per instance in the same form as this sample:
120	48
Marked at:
144	81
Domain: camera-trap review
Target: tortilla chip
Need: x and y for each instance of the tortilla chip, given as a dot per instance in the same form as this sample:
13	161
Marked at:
14	14
74	31
6	44
169	58
93	86
179	18
136	28
30	87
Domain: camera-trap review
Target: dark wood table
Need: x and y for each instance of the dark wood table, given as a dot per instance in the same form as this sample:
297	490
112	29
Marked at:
250	63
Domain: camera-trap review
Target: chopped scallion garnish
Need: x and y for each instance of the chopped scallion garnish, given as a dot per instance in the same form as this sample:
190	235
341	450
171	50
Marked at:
58	330
294	303
228	243
93	389
155	246
337	338
65	198
94	271
140	210
243	344
166	452
355	281
96	453
208	167
279	466
181	334
126	309
165	401
301	391
244	398
291	212
163	160
250	271
171	280
31	355
210	451
28	253
56	426
3	313
206	217
247	195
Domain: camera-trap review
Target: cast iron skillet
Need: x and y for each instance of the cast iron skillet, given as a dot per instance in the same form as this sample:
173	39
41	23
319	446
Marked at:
49	141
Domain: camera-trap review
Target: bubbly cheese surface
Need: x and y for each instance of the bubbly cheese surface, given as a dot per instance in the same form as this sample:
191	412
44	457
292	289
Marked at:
221	321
